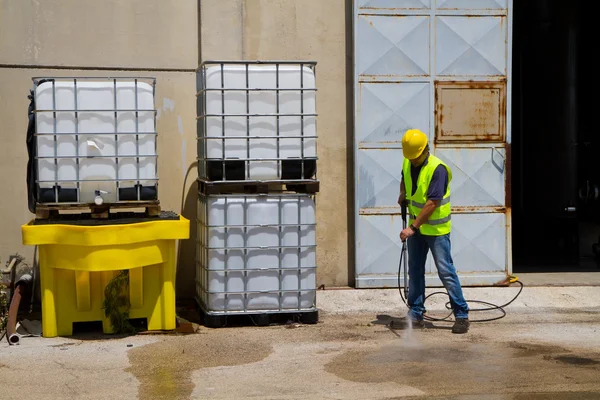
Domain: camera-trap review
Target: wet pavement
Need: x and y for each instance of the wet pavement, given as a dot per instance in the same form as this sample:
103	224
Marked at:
551	354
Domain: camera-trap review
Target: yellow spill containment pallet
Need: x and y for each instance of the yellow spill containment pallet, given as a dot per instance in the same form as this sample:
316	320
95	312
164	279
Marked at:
77	262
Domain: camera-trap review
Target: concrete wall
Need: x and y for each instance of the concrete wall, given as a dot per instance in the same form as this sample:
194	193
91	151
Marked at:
108	38
303	30
108	33
160	38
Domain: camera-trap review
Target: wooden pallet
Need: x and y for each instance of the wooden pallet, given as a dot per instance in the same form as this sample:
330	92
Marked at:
258	319
46	211
255	187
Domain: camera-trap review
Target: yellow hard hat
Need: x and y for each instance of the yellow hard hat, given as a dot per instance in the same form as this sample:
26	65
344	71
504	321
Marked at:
413	143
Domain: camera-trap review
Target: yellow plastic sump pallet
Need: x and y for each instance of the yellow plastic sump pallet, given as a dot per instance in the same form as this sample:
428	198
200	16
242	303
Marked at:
77	262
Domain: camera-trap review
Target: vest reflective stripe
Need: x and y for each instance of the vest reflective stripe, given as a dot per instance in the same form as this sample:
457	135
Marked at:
439	222
435	221
421	205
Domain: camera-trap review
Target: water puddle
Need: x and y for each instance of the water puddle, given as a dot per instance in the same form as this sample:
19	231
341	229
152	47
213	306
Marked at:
164	369
462	368
577	360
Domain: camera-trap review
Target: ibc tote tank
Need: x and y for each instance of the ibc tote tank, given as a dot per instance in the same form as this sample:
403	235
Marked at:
94	141
256	120
256	253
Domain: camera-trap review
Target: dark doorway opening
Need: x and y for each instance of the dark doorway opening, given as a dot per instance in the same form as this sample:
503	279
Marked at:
555	143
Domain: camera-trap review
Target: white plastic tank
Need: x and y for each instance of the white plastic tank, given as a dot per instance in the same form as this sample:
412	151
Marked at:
91	141
256	252
270	128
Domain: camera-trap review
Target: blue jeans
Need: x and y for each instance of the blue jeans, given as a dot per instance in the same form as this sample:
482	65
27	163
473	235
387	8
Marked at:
418	246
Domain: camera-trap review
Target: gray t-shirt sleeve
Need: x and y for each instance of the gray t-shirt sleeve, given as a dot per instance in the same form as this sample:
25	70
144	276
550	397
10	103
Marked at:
439	184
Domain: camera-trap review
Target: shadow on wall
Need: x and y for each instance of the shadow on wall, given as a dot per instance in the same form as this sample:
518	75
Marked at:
350	142
186	257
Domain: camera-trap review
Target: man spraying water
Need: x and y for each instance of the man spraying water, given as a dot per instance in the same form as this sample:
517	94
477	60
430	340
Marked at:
425	187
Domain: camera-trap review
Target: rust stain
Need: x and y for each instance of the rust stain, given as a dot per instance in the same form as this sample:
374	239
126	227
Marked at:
475	111
359	108
508	176
503	282
469	145
381	78
478	9
378	148
491	84
393	8
476	209
502	111
393	209
447	136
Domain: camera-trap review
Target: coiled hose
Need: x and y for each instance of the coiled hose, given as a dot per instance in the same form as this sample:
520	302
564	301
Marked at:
492	307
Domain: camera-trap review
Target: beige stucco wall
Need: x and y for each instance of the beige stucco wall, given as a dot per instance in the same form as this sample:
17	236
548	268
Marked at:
302	30
160	38
36	37
92	33
176	146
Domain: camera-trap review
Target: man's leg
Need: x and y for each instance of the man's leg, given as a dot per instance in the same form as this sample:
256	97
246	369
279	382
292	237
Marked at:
417	255
440	249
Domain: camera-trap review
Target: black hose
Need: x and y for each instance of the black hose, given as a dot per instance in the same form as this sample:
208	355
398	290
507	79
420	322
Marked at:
491	307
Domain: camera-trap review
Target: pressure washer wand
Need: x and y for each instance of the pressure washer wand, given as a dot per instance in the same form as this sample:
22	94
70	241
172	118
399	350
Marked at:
404	258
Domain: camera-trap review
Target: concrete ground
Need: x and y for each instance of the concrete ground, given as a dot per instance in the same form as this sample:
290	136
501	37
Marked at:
546	347
561	278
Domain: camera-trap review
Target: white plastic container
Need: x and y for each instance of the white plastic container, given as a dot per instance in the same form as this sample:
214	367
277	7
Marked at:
256	253
236	124
100	151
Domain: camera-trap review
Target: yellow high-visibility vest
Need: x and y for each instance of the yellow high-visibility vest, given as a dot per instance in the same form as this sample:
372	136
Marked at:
439	222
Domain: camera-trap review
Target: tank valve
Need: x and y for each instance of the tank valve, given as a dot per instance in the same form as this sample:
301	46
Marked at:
98	199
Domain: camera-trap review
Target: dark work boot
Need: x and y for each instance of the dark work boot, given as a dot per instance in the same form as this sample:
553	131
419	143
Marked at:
461	325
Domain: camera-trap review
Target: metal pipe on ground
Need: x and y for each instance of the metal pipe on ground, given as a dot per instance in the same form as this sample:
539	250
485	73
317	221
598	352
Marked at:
11	328
13	311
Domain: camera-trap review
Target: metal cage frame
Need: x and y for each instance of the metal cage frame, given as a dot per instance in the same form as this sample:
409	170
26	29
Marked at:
116	110
202	116
202	270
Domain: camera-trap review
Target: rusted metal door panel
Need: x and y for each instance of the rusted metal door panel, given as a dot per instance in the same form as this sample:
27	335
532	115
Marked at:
379	177
478	177
470	112
377	237
394	94
399	46
387	110
470	45
477	245
442	67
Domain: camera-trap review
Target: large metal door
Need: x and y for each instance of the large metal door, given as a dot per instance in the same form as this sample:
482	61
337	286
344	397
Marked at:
442	67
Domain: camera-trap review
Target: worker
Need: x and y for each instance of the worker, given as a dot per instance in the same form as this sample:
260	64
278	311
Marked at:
425	186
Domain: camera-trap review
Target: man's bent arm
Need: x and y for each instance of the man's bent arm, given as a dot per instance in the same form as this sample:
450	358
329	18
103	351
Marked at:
426	212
